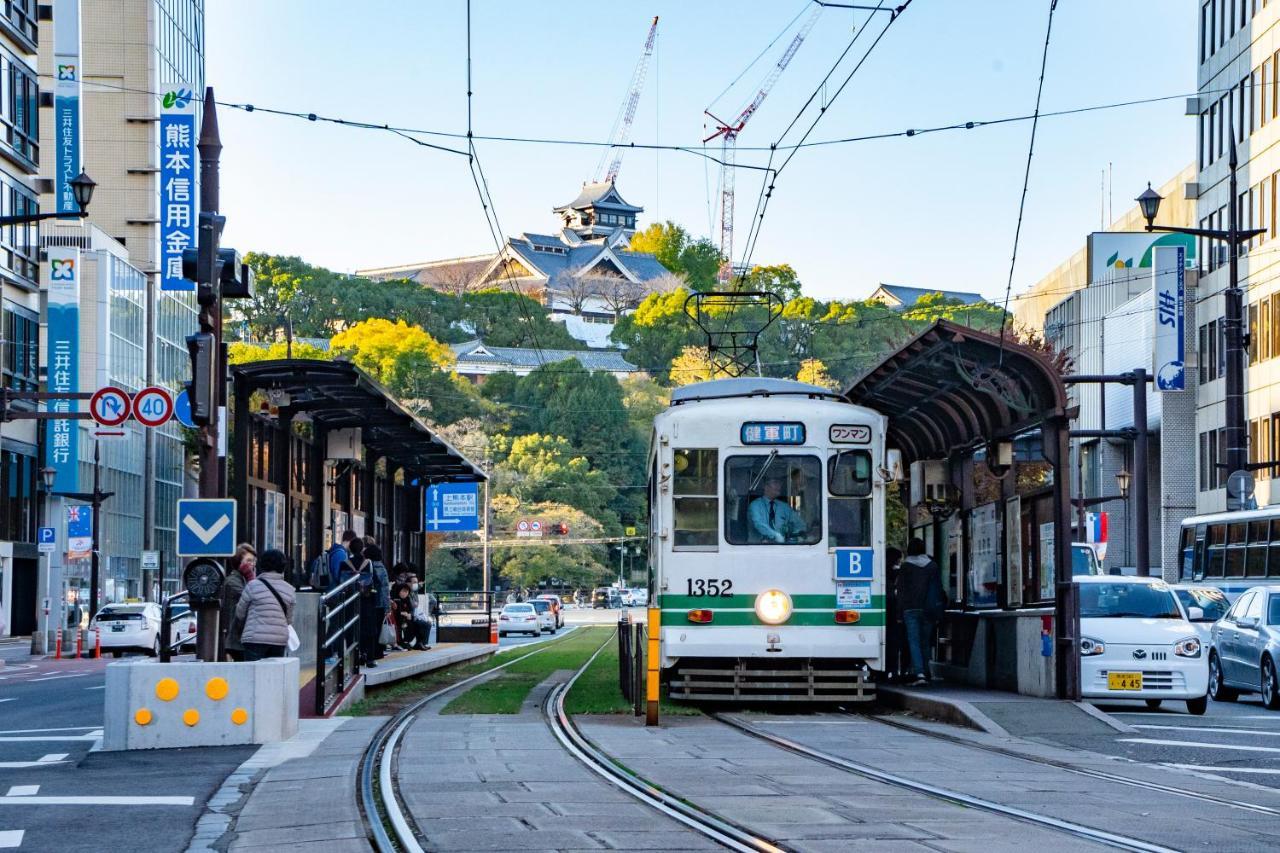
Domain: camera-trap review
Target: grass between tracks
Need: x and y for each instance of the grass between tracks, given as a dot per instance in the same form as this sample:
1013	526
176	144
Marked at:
597	691
506	692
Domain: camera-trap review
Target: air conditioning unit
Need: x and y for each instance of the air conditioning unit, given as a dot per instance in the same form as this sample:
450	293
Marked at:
345	444
928	480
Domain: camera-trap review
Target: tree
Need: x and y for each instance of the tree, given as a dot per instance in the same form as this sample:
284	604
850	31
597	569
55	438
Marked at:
534	564
644	399
779	278
697	260
242	353
504	319
814	372
694	364
538	468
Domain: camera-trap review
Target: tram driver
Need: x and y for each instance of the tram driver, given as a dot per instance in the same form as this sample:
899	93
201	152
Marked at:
772	518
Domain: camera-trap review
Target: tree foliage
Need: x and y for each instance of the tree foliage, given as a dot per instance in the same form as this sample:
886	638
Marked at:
696	260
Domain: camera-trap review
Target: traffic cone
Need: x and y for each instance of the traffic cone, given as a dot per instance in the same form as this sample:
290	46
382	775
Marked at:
57	645
97	643
79	643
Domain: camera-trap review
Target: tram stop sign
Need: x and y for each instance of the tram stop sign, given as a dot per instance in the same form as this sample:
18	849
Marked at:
452	507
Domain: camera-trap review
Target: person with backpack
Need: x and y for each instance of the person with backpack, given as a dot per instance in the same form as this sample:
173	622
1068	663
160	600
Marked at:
358	565
382	587
327	567
919	593
266	609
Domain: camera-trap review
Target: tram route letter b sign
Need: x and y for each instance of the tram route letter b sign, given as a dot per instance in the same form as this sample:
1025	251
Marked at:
854	564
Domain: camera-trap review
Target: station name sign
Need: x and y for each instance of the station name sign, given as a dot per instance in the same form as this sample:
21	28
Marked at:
767	432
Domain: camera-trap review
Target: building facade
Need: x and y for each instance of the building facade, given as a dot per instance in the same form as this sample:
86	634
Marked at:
476	360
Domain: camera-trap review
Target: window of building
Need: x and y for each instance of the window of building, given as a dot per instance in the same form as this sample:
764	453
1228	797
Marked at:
20	113
773	500
20	19
1265	97
19	252
695	491
21	348
1253	334
1275	96
1204	32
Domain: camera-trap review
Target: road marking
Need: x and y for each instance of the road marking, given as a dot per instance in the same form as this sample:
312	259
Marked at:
66	675
99	687
206	534
1226	769
1176	715
64	729
90	736
97	801
11	838
1211	729
1155	742
45	761
23	790
10	699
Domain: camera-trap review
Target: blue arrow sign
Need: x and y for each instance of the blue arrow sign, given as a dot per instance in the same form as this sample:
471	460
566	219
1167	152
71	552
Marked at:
206	527
182	409
452	507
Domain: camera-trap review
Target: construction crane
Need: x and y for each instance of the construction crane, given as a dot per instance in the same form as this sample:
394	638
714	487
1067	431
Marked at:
728	132
621	133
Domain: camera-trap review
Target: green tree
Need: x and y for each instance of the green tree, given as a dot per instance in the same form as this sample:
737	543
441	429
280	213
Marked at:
538	468
532	565
504	319
696	260
814	372
242	353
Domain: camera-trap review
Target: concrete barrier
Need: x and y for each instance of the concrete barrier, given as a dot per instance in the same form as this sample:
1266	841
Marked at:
150	705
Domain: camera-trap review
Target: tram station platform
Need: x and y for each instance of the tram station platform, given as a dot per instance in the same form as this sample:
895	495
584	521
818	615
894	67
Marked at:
998	712
397	666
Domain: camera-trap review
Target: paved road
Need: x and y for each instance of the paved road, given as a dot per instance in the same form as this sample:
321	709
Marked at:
573	617
1238	740
50	721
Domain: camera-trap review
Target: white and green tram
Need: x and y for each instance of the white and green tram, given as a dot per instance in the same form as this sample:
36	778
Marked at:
767	530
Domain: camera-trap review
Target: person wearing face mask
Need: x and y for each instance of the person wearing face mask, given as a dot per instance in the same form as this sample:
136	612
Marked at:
240	571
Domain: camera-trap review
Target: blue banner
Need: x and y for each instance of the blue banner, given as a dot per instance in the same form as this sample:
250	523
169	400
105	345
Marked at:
177	186
1169	356
62	355
66	104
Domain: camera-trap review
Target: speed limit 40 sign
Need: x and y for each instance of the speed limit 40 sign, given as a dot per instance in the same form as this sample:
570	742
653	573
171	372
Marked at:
152	407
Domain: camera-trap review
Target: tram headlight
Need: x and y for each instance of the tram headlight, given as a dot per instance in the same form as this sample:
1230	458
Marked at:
773	607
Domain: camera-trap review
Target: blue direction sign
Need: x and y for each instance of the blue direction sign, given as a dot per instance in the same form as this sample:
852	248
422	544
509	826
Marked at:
452	507
46	539
206	527
855	564
182	409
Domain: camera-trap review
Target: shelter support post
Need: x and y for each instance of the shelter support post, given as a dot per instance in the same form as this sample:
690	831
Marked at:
1066	621
1142	513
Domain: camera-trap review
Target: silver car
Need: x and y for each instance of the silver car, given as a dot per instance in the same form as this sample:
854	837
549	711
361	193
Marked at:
1245	648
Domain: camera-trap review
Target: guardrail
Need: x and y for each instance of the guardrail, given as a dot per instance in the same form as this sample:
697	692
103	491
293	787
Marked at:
337	642
463	616
631	671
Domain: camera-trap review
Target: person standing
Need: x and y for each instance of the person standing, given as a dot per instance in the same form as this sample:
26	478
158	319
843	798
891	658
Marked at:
382	589
339	554
239	574
894	641
915	589
266	608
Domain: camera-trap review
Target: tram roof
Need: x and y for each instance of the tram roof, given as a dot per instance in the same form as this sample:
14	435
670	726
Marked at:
748	386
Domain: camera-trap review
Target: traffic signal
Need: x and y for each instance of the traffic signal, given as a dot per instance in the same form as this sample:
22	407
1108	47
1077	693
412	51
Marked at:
201	264
202	348
560	529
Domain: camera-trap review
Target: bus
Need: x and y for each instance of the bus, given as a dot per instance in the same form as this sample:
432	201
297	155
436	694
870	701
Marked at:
1232	551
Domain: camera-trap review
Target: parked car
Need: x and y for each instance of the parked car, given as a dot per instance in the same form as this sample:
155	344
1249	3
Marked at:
1084	560
1203	605
634	597
605	597
1245	649
136	627
546	617
1136	643
557	608
519	619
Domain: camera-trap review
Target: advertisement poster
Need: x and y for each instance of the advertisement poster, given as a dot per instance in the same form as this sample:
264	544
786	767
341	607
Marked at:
66	104
853	595
984	555
1047	576
1013	548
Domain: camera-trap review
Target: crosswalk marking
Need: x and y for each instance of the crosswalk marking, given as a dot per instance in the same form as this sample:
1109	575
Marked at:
23	790
1214	729
10	838
1255	770
44	761
1199	744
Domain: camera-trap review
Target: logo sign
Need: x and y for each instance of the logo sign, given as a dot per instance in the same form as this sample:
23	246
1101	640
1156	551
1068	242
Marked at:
152	407
855	564
46	540
110	406
1169	278
151	560
182	409
756	432
1117	253
206	527
177	185
66	104
452	507
79	531
62	354
849	434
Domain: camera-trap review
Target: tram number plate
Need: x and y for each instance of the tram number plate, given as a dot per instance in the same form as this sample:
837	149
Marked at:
850	434
1124	681
703	587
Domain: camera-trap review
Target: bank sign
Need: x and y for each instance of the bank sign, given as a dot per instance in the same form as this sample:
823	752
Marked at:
62	355
1168	275
177	185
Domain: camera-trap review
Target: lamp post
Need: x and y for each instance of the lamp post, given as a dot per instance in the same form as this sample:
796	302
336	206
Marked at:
82	186
1233	315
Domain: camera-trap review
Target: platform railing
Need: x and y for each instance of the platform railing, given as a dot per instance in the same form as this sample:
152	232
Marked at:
631	669
463	616
337	642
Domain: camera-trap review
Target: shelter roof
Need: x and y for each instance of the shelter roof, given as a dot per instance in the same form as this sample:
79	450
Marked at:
951	387
339	395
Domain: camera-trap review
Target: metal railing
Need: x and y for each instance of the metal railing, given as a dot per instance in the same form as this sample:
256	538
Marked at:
337	642
463	616
166	625
631	671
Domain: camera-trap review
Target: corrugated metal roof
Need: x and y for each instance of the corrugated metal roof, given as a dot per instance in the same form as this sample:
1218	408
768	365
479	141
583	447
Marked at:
910	295
477	352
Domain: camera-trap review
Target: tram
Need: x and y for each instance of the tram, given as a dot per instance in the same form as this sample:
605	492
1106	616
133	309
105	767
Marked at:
767	526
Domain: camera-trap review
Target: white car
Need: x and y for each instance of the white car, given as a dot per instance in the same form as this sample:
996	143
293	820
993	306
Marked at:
1136	643
546	615
635	597
519	619
1203	605
136	627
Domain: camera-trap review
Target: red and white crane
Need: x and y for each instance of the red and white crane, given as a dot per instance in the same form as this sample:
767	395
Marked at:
621	133
728	132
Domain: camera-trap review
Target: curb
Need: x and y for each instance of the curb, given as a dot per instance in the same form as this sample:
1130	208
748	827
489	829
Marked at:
938	707
1105	718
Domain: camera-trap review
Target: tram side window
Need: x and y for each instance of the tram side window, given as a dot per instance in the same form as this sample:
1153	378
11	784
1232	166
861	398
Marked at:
1217	550
1255	563
773	500
1235	549
695	489
849	503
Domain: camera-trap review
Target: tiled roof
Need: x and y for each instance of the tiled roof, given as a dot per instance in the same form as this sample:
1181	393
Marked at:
643	265
477	352
592	194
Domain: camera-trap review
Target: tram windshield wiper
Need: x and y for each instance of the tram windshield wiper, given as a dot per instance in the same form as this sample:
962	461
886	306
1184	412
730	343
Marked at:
773	454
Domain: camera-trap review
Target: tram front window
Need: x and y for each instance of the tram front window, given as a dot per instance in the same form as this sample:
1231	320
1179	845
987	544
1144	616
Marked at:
849	504
773	500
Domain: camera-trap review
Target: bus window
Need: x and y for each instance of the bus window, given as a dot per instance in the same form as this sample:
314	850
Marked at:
1255	564
849	500
1217	550
696	499
1186	547
1273	561
1235	549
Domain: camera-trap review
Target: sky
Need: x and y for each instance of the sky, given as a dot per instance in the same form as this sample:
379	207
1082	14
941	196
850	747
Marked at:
936	210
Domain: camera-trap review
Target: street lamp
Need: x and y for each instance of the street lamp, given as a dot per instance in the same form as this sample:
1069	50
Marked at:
48	475
1123	478
82	187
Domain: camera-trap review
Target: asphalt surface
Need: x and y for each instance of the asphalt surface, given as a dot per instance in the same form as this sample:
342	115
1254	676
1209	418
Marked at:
573	617
50	725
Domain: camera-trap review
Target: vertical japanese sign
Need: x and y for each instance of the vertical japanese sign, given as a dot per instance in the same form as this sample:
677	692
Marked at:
66	103
1169	342
177	185
62	356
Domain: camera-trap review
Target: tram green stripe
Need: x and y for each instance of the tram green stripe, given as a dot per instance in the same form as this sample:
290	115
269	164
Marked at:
739	618
748	602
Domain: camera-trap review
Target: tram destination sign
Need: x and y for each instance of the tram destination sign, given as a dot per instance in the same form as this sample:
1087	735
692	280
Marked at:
772	432
850	434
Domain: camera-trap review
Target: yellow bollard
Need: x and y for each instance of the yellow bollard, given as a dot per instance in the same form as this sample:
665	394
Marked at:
653	658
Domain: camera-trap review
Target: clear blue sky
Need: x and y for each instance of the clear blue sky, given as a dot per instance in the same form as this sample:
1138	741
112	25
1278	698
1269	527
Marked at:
936	211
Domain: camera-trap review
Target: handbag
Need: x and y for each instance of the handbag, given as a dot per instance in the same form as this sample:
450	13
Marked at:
294	643
387	636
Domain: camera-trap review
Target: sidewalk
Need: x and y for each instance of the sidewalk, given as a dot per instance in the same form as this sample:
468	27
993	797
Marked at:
998	712
401	665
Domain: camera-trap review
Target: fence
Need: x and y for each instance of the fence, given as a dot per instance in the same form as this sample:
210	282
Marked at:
631	671
462	616
337	642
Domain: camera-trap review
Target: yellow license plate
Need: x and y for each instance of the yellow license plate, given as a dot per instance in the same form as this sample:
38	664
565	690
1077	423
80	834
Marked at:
1124	681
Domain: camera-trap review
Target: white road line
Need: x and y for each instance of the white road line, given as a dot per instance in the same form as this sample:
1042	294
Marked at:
63	729
88	737
23	790
1226	769
64	675
10	699
1176	716
1155	742
1211	729
97	801
10	838
99	687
